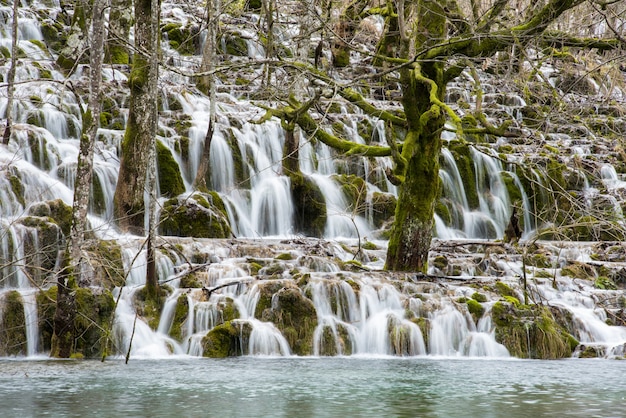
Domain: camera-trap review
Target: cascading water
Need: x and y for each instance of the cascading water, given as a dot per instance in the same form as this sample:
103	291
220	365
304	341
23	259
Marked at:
363	316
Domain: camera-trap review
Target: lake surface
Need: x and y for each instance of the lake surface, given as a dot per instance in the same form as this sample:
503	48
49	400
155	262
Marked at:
313	387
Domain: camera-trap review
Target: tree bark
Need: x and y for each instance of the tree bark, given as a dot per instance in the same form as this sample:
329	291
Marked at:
84	168
11	77
423	89
207	84
76	269
152	281
129	202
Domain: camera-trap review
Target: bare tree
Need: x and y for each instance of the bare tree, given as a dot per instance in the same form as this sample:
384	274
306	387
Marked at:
75	270
11	77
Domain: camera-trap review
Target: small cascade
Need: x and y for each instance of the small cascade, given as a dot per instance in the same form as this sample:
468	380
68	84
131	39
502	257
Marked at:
31	321
588	320
133	334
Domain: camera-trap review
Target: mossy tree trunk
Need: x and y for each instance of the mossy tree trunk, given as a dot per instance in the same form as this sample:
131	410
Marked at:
76	269
140	134
11	78
423	88
429	43
84	169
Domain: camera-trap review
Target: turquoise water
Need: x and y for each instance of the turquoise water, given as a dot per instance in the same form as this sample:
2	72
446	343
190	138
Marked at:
313	387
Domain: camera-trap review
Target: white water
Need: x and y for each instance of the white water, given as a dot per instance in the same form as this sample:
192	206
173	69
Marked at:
43	156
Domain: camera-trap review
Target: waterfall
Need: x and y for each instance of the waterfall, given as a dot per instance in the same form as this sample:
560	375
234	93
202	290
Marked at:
367	314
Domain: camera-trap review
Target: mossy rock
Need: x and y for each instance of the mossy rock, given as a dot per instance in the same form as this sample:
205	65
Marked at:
504	289
578	270
475	308
479	297
295	316
341	57
226	340
59	212
199	215
95	310
41	247
182	39
149	309
12	325
354	190
309	206
463	158
17	187
105	258
46	307
267	289
180	318
383	208
170	181
233	44
531	331
332	344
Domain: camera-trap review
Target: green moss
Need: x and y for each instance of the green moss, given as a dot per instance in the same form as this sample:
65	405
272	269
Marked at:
475	308
309	206
285	256
531	332
197	216
170	181
234	44
354	190
479	297
95	309
462	156
106	259
504	290
341	57
383	208
295	316
180	38
226	340
180	318
5	52
604	283
18	188
148	309
12	325
368	245
579	271
190	281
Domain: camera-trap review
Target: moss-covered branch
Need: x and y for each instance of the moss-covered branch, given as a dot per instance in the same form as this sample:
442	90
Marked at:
485	44
561	39
295	113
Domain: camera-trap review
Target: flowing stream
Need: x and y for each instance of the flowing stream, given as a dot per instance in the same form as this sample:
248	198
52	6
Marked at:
378	318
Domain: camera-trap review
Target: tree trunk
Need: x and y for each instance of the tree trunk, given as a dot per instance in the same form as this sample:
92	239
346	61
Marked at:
152	281
62	344
201	182
75	270
423	89
11	78
129	202
84	169
207	84
120	18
